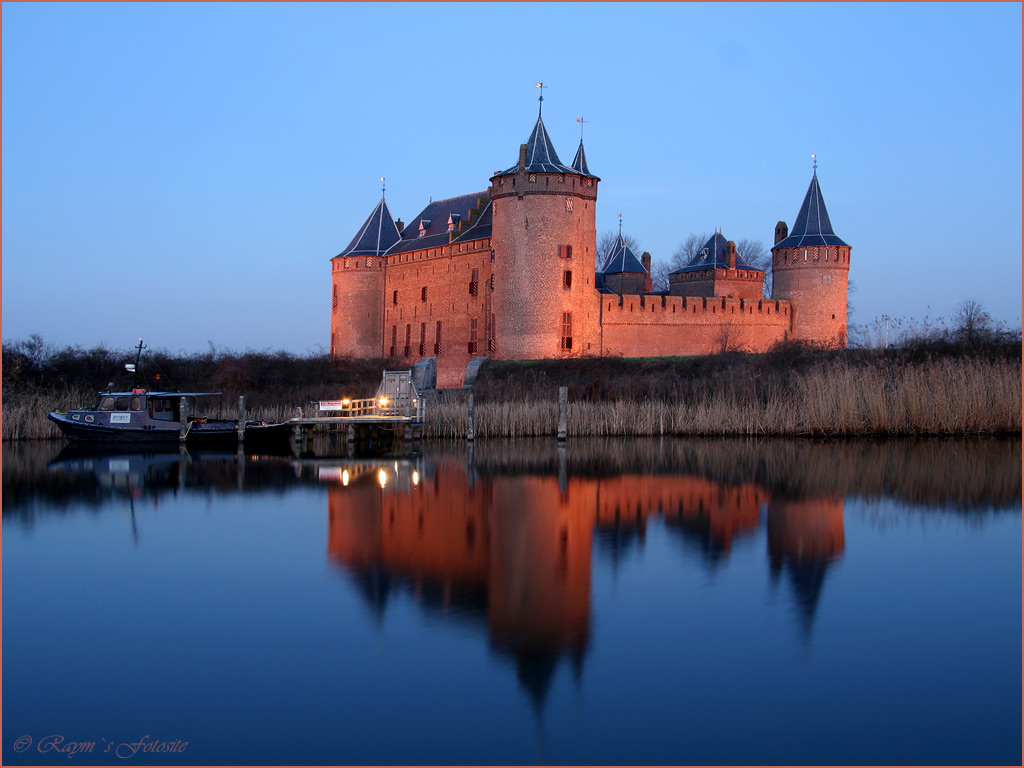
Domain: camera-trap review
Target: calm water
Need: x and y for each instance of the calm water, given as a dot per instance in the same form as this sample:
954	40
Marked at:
630	602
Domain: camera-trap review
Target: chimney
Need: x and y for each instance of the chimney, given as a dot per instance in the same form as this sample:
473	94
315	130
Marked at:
781	232
522	158
400	225
730	254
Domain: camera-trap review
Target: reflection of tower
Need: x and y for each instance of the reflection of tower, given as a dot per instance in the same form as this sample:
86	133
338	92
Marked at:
513	549
804	538
539	575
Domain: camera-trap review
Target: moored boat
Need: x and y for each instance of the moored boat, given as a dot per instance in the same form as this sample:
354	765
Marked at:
138	416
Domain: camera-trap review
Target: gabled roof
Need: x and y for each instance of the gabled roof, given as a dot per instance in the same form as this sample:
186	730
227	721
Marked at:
579	163
435	219
622	259
713	256
540	154
377	234
812	226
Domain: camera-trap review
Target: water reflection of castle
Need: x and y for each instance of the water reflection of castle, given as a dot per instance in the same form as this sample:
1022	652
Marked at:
514	551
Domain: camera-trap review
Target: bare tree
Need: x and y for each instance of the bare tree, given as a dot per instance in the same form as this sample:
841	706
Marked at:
687	250
971	323
756	255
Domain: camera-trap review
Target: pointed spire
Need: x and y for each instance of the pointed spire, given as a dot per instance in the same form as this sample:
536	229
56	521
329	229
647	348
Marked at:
622	259
377	234
579	163
812	226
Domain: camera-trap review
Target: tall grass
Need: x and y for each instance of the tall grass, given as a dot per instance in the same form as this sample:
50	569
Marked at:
943	397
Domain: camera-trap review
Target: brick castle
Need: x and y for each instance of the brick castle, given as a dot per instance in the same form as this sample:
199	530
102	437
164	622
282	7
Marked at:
510	273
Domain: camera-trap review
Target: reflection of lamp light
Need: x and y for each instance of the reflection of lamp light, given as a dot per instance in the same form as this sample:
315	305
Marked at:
382	477
344	477
415	477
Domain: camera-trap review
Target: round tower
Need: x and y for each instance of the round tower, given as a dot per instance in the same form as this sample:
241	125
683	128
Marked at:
357	288
810	268
544	240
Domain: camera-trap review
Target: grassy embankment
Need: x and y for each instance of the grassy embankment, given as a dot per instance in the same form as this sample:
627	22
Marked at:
934	388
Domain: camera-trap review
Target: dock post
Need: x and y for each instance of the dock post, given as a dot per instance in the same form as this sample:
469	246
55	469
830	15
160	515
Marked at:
563	413
241	418
470	420
351	434
182	419
297	428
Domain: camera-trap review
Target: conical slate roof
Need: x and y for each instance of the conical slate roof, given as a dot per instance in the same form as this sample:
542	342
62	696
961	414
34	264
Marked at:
579	163
812	226
622	259
540	154
377	234
713	256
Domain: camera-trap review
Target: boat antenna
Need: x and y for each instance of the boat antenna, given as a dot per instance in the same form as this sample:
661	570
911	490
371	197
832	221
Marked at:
138	356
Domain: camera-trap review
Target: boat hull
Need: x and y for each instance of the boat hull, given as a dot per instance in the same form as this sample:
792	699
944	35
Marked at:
205	432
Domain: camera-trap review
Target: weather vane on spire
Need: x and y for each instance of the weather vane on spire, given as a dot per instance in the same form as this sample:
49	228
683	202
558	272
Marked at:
541	99
815	159
581	121
383	186
620	225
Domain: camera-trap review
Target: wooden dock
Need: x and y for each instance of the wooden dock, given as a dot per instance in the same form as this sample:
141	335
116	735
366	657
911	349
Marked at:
397	408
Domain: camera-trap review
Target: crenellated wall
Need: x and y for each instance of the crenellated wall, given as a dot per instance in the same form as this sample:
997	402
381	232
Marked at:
638	326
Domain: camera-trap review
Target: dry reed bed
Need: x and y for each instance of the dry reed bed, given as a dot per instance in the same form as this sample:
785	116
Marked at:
949	396
945	397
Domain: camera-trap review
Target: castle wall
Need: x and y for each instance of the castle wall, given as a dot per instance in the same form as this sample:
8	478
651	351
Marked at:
452	298
653	325
534	222
815	280
357	284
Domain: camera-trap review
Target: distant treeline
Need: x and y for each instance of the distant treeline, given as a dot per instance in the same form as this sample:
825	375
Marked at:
266	378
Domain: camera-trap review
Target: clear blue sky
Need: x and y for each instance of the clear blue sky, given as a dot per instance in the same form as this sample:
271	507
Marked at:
185	172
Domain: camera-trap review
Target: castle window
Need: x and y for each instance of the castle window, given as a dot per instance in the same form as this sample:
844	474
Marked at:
567	279
492	255
394	340
490	283
408	340
423	293
533	177
474	283
394	297
566	330
491	343
437	339
472	335
334	299
565	251
423	339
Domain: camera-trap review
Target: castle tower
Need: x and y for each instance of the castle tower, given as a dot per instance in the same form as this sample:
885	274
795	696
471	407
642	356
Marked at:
357	287
625	273
544	240
811	268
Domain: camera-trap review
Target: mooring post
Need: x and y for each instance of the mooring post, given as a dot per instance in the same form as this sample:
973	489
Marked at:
470	426
563	412
351	434
182	418
241	418
296	427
